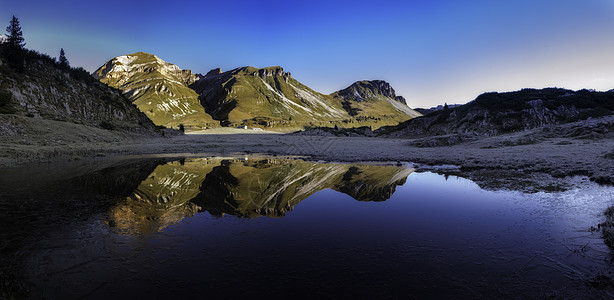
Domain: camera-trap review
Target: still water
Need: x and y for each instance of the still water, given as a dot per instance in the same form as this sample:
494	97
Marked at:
261	227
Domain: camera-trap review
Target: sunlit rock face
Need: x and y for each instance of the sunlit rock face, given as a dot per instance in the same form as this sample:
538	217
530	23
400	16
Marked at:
247	96
244	188
158	88
270	97
265	97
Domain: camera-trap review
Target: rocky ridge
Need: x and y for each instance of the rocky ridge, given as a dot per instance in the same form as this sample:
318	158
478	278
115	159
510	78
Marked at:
247	96
374	99
498	113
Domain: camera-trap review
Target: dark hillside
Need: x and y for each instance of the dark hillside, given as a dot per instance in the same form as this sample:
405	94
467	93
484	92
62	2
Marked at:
498	113
41	88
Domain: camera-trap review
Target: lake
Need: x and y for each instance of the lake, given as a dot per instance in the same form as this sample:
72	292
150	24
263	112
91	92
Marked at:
256	227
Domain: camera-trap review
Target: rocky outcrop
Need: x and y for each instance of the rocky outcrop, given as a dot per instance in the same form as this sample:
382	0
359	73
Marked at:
43	90
122	69
497	113
375	99
367	90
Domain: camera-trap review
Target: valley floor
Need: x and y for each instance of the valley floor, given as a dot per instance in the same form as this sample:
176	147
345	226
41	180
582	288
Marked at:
531	160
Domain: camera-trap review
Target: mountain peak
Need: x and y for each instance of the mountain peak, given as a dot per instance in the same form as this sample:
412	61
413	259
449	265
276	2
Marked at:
158	88
361	98
366	89
214	72
141	62
264	72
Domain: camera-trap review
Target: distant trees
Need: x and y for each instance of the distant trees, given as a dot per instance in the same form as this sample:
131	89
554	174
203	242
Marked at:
62	60
181	128
445	106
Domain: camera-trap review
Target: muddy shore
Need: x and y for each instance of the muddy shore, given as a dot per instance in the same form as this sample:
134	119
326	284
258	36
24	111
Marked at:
529	160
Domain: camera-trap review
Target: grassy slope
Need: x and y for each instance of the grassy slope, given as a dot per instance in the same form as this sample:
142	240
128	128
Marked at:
267	96
366	103
164	98
271	98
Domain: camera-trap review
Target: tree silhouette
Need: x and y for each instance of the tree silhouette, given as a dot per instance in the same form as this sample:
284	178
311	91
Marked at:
15	44
15	36
62	59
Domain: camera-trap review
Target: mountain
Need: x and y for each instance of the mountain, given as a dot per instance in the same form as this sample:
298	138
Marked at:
271	97
42	92
266	98
375	100
497	113
159	89
426	111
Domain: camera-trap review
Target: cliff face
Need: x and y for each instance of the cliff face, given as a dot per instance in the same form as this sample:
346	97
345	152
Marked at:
159	89
497	113
376	100
42	90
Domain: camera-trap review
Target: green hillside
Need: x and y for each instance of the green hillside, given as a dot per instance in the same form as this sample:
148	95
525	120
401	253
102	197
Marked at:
159	89
375	101
267	97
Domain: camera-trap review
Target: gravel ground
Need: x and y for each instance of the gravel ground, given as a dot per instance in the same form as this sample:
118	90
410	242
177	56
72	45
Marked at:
541	159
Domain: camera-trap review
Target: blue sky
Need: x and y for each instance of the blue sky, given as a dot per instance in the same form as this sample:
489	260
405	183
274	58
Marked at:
430	51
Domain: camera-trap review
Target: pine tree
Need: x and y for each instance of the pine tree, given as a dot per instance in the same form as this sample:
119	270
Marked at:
15	44
445	106
15	36
62	59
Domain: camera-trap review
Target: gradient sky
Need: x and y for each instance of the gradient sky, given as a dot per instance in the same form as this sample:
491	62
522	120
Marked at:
430	51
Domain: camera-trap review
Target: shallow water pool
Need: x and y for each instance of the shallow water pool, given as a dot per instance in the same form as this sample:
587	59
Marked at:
262	227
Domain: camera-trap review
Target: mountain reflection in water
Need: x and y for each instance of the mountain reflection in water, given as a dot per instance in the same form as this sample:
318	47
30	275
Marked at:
244	188
150	227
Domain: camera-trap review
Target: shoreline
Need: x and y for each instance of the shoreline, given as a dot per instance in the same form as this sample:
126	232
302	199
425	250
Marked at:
540	159
546	164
